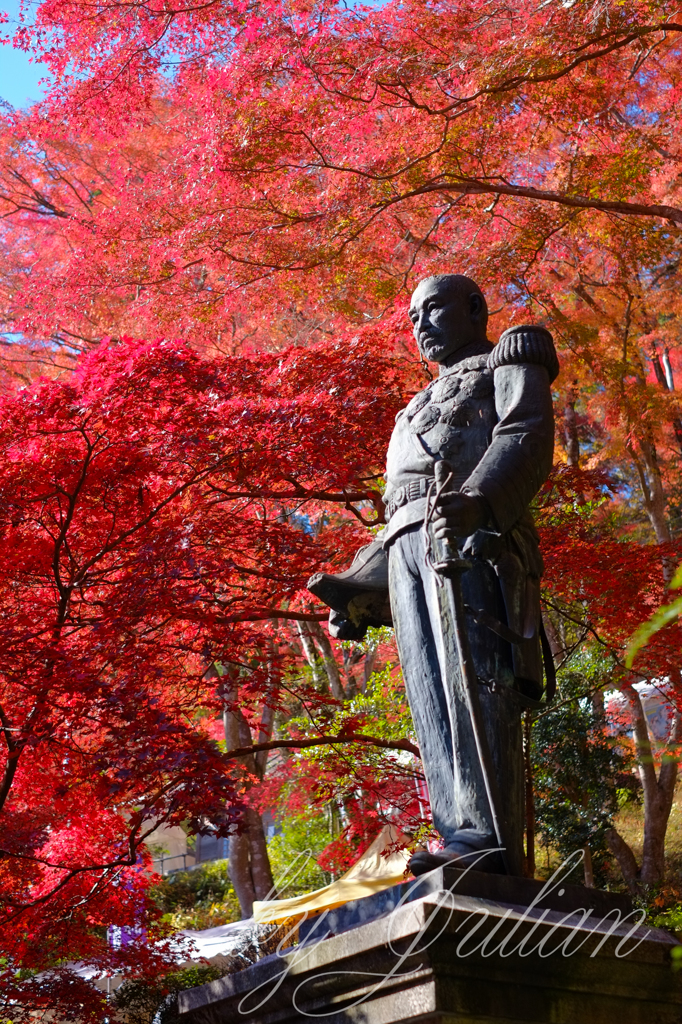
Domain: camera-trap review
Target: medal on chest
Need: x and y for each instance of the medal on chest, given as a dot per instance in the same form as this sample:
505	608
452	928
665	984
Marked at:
454	413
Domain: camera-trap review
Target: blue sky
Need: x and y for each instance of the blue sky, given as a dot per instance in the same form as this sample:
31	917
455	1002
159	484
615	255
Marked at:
18	79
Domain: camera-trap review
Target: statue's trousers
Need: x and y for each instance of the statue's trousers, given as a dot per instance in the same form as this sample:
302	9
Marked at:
428	655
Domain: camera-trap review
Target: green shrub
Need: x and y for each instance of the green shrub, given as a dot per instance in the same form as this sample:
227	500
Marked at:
577	767
294	852
201	898
140	1002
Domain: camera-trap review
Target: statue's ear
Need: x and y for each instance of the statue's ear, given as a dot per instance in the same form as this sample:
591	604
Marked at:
475	305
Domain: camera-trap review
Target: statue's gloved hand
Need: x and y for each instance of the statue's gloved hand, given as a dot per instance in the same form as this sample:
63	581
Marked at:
343	629
459	515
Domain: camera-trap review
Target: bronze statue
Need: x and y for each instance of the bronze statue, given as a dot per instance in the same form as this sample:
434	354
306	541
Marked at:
466	457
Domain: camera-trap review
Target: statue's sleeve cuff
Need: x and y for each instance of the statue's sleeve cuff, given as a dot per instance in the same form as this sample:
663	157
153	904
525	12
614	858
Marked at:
487	518
509	476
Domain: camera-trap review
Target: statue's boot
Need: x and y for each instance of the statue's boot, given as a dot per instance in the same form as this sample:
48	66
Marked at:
467	849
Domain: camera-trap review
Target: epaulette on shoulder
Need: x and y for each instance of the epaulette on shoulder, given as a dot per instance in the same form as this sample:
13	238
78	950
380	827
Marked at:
526	343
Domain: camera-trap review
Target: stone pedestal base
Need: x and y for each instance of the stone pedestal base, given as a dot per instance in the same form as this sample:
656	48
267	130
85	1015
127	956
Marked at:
450	958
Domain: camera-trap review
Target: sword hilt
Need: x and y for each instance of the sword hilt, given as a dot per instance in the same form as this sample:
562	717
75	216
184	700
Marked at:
450	562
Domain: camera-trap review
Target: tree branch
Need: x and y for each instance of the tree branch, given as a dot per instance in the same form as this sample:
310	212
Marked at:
319	741
258	614
473	186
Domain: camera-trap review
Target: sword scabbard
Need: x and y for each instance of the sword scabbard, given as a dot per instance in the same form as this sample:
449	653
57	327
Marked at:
451	566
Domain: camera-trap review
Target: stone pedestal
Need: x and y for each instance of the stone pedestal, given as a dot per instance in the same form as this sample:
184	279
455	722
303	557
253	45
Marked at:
448	957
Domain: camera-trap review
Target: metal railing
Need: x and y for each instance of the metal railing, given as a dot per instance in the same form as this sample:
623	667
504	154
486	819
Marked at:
160	863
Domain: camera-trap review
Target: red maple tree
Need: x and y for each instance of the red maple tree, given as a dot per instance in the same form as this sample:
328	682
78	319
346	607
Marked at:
156	514
249	178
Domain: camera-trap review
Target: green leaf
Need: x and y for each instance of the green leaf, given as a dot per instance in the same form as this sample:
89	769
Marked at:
662	617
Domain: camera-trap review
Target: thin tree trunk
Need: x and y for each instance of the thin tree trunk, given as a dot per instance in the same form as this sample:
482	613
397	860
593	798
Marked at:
259	861
529	860
330	663
625	857
311	655
239	870
658	798
657	814
238	866
264	736
653	492
571	428
653	841
261	869
588	867
368	667
658	792
350	659
249	863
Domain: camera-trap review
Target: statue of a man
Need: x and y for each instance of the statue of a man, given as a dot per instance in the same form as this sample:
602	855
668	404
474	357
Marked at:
488	414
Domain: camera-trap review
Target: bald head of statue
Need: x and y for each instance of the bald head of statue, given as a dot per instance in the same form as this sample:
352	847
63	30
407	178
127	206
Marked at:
449	316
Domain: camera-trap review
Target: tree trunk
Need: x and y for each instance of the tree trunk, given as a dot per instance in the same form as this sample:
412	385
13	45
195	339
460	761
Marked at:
529	860
571	428
653	492
658	799
330	663
267	724
588	868
249	863
368	667
659	804
555	636
261	872
350	660
311	655
239	870
658	792
625	857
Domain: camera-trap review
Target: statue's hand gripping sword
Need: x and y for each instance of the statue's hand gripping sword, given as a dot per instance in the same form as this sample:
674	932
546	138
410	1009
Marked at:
451	566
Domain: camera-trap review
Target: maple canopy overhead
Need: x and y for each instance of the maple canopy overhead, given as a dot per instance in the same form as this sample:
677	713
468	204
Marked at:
191	168
260	185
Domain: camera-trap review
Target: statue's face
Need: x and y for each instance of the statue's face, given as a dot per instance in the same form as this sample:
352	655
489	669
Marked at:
444	320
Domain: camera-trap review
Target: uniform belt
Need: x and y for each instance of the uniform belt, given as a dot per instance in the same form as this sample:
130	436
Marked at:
415	490
404	495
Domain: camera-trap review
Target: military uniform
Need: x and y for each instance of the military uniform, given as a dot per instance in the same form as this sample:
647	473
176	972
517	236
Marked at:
490	416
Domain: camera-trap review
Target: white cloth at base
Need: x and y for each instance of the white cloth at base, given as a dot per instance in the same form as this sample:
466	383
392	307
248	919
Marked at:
371	873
